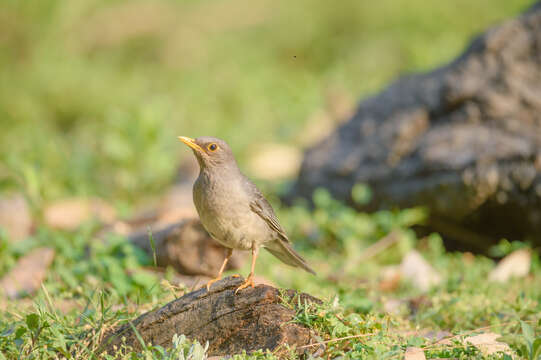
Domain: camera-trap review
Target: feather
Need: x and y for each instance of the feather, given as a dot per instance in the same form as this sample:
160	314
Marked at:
283	251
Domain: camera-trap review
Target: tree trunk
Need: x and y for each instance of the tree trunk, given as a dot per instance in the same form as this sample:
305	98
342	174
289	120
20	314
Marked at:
255	318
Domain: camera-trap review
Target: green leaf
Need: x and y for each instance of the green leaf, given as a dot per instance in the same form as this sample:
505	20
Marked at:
322	198
32	321
21	330
143	279
527	332
361	194
416	341
153	246
536	349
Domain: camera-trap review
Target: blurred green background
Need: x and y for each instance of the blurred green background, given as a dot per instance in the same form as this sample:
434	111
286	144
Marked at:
93	93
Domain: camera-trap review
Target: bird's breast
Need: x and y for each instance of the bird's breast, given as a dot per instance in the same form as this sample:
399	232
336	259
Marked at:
224	210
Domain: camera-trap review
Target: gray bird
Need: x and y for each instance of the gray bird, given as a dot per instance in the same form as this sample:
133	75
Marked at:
233	210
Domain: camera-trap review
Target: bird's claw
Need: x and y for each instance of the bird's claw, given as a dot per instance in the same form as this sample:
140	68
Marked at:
209	284
248	282
212	282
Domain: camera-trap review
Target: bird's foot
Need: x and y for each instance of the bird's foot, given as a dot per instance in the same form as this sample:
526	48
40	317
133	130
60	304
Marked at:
212	282
219	278
248	282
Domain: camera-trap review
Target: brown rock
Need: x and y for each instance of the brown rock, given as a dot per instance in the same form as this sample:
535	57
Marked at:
15	217
463	140
251	320
28	274
187	247
69	214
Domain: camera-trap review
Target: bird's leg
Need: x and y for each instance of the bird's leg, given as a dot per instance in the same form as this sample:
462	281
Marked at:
228	254
250	279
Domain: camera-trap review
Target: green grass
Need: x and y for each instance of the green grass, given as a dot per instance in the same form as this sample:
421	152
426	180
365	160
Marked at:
94	286
93	94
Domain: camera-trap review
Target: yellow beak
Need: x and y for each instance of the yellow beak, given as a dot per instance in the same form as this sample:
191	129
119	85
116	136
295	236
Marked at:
191	143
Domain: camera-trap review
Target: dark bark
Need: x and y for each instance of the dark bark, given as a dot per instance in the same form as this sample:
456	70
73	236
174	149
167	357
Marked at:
250	320
463	140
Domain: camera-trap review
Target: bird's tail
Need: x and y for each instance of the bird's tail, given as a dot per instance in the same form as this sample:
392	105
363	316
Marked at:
283	251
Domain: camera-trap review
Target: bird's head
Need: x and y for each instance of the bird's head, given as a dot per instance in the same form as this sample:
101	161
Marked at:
210	152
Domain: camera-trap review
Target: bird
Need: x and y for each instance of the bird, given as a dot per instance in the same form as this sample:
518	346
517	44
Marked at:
233	210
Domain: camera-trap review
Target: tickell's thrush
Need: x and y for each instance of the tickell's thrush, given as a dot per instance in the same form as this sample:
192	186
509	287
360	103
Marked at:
233	210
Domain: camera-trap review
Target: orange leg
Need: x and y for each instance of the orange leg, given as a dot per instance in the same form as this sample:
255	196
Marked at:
250	280
228	254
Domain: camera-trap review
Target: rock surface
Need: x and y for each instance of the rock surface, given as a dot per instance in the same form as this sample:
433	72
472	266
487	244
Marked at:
463	140
255	318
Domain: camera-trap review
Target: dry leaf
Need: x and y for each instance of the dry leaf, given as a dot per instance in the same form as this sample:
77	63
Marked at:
274	161
69	214
394	306
414	353
389	278
15	217
516	264
487	343
28	274
418	271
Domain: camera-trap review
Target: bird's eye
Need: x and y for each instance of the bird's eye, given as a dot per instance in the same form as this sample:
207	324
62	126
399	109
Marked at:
212	147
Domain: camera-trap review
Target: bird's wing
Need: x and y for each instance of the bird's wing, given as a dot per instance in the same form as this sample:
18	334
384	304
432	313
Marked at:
281	247
261	207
